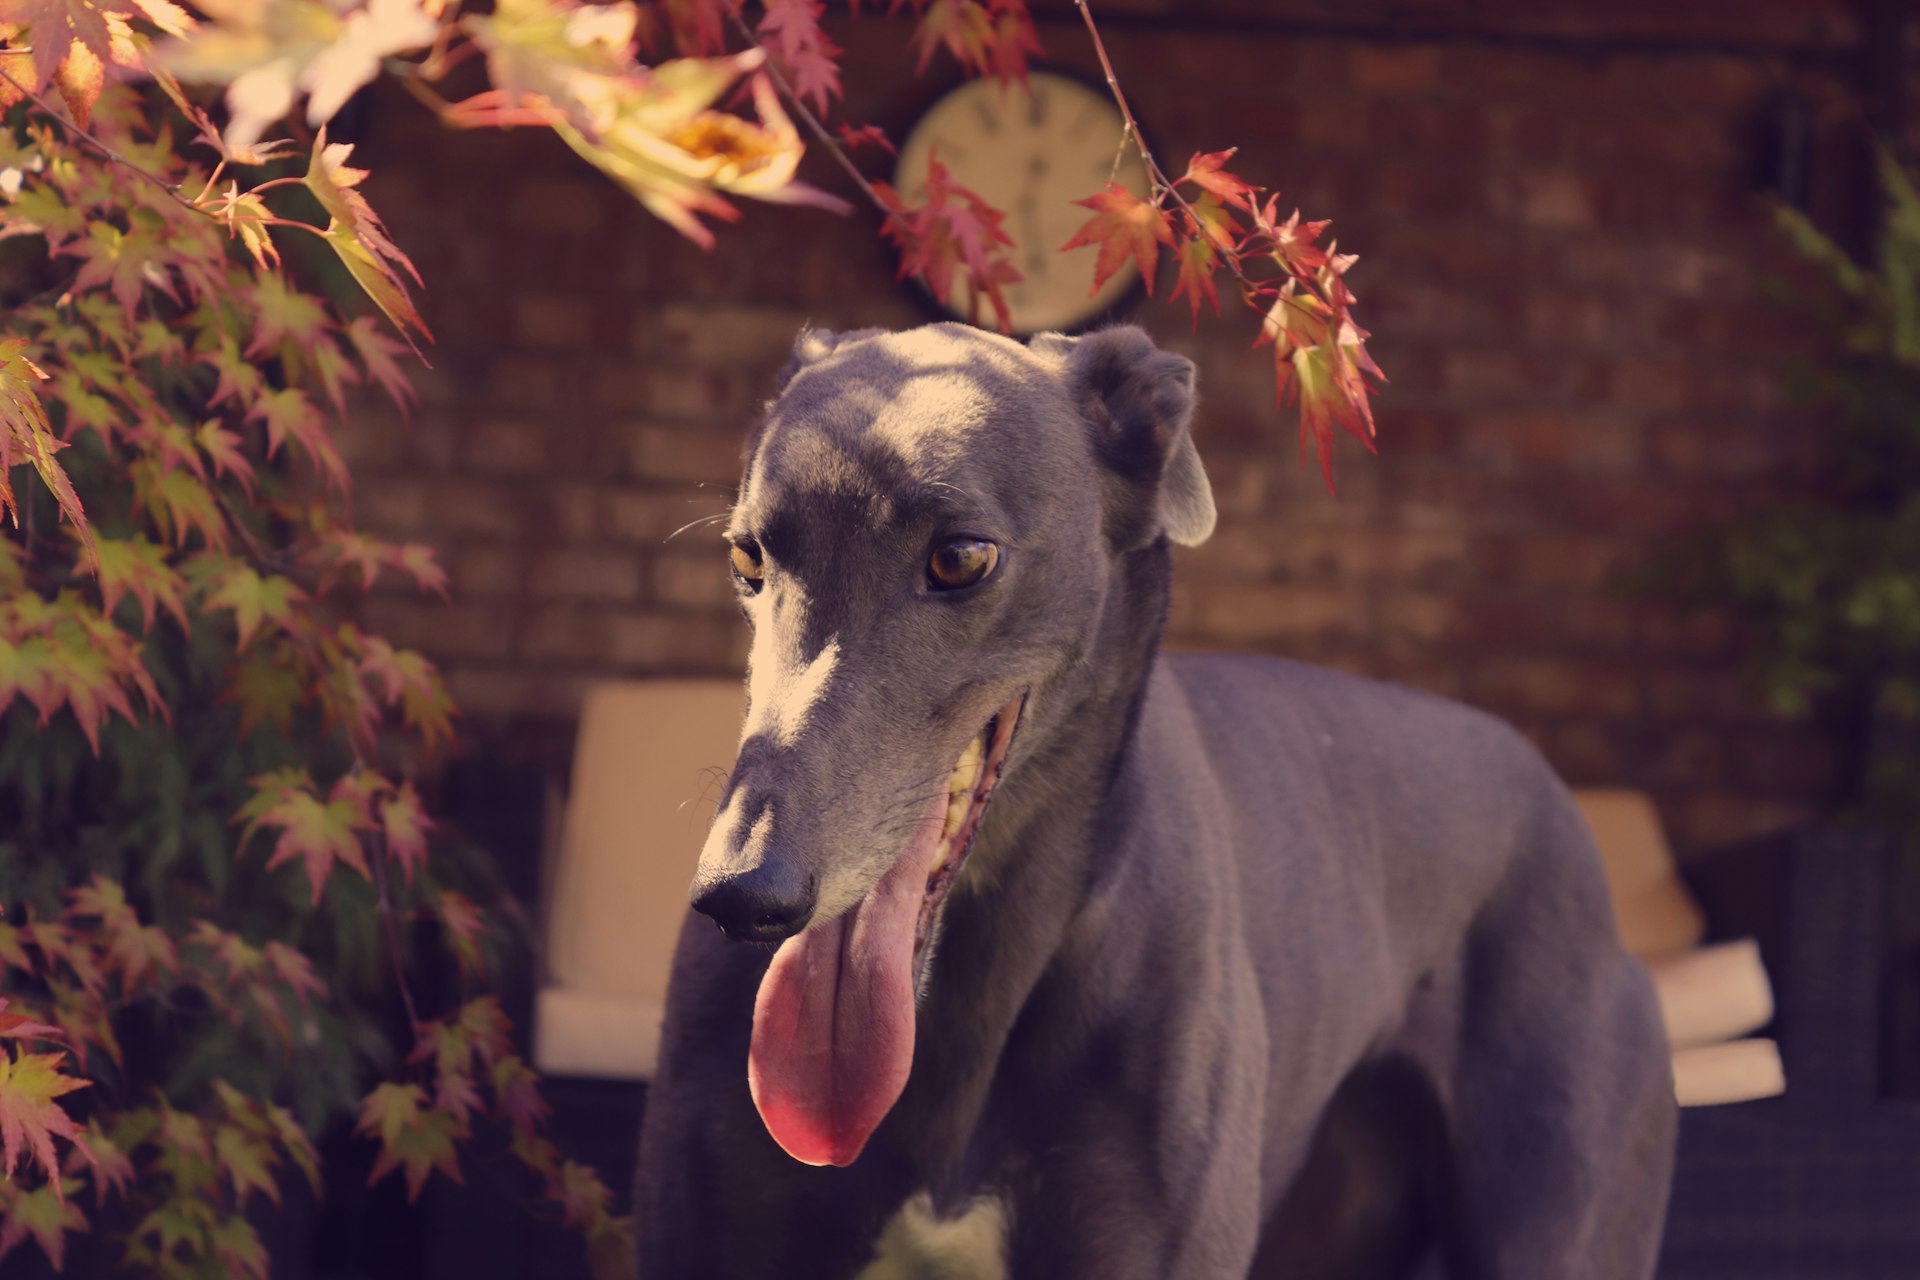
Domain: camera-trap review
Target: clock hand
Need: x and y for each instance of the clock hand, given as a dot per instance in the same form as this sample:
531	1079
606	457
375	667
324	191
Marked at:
1030	215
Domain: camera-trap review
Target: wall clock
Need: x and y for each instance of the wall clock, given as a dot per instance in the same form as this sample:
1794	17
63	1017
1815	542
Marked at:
1030	154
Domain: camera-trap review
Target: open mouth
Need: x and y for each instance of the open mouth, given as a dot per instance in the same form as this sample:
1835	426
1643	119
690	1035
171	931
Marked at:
833	1021
969	788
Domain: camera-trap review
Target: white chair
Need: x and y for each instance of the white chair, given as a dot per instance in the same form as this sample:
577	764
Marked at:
647	768
1710	996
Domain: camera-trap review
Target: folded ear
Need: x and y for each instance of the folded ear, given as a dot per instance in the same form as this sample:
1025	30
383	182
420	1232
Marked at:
813	344
1138	401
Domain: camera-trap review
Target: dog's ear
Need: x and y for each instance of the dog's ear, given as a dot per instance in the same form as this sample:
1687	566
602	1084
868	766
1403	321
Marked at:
814	344
1138	400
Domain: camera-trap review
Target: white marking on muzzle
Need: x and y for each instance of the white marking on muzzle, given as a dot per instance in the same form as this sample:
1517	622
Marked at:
781	691
719	854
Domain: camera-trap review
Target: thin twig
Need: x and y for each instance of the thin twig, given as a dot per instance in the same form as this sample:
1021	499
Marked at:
172	189
812	121
1155	174
379	860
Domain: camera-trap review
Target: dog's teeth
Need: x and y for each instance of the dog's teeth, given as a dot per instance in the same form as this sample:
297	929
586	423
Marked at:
941	854
957	811
966	770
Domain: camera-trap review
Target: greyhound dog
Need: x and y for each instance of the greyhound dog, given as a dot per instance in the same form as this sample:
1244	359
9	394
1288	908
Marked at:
1093	962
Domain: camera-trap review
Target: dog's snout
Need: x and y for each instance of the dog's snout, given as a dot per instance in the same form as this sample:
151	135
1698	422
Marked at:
769	903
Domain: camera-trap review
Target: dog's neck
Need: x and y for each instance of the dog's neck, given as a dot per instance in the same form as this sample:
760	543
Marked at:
1001	933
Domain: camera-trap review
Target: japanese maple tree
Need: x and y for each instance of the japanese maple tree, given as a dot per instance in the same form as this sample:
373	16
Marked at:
215	865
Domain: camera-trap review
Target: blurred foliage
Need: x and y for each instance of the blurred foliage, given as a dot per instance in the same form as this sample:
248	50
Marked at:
1827	581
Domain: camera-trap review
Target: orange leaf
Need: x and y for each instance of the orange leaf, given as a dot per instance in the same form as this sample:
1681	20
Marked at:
1123	226
1197	264
1208	172
26	436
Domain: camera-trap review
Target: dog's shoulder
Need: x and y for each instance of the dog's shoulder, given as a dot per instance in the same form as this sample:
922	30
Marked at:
1300	697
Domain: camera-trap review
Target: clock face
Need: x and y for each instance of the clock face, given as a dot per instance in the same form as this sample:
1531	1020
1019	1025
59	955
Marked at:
1031	153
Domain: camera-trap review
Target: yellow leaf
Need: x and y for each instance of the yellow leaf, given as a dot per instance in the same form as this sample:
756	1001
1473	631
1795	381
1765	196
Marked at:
268	52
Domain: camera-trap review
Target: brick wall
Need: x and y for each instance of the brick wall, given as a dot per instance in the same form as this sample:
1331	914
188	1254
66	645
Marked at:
1562	264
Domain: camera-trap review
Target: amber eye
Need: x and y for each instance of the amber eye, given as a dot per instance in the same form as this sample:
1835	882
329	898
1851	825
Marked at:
961	563
746	563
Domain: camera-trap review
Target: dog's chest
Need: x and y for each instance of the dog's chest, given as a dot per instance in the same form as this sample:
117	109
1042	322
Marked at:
918	1245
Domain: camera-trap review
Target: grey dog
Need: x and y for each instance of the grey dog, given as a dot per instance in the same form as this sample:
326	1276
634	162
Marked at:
1099	963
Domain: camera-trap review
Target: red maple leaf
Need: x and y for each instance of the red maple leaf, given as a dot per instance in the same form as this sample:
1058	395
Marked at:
405	825
954	232
318	833
379	355
1197	264
293	970
1320	359
1123	226
867	135
516	1091
984	36
1208	171
21	1027
464	924
421	563
791	29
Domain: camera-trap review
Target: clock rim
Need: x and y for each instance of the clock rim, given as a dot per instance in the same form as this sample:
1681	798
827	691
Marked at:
1120	310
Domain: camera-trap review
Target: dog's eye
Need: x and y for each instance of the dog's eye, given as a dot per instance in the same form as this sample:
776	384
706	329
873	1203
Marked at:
746	563
961	563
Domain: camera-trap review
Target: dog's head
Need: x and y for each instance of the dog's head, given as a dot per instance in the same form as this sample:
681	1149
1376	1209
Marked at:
926	537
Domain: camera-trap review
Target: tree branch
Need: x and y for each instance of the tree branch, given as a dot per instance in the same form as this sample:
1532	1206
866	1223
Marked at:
172	189
812	121
1155	174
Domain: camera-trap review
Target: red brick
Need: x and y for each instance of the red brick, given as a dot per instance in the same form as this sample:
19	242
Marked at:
1254	612
1424	617
648	517
457	631
696	578
555	321
585	574
513	448
1337	123
720	334
1584	440
1660	385
527	382
482	571
1699	694
574	207
1389	68
1556	685
505	691
1792	758
1716	819
683	453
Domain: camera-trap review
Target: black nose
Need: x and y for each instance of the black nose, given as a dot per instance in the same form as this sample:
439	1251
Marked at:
770	903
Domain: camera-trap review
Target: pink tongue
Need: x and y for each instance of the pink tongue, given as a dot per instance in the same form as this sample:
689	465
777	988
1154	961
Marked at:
833	1024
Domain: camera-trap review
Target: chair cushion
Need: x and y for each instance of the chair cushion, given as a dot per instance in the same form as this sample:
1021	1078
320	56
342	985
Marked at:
1713	993
600	1037
1737	1071
648	765
1656	914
